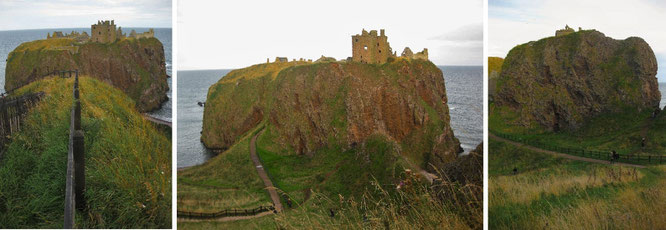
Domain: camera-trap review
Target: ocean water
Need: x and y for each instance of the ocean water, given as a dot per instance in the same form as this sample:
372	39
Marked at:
10	39
464	89
463	85
193	88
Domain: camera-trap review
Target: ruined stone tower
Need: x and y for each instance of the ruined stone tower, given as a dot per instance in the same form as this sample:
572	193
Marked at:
104	32
371	48
565	31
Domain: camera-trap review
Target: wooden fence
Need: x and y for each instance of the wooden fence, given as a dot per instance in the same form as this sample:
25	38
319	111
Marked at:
225	213
12	112
76	183
596	154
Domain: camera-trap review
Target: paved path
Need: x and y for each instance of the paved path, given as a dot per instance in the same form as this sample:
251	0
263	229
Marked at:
572	157
262	173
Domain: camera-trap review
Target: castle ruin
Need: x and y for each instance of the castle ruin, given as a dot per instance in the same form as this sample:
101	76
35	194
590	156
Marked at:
565	31
407	53
104	32
370	47
367	47
79	37
375	49
149	34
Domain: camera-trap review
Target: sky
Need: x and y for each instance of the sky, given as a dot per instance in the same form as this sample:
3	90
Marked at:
514	22
236	34
47	14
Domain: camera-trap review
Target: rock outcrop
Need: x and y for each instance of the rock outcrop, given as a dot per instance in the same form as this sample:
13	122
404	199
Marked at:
135	66
560	82
309	106
494	70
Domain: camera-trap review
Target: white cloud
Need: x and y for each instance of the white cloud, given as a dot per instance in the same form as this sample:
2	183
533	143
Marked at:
21	14
235	34
513	24
472	32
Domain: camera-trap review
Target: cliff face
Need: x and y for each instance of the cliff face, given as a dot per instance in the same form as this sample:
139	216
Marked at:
309	106
559	82
136	66
494	70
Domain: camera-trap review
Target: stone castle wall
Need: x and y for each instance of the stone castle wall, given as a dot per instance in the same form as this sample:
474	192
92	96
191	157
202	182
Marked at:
565	31
370	47
104	32
149	34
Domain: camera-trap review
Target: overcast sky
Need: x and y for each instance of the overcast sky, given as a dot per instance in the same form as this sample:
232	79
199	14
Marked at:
514	22
42	14
236	34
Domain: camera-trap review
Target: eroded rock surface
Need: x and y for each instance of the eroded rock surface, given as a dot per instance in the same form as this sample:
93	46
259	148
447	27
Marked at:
560	82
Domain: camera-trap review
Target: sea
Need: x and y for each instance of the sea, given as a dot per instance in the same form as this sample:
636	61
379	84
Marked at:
464	86
10	39
464	89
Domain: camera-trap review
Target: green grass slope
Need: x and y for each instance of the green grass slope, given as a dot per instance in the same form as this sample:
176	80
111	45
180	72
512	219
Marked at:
128	162
622	132
556	193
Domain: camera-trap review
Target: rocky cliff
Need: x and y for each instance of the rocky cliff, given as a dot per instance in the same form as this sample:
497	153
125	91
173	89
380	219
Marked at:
136	66
494	70
559	82
309	106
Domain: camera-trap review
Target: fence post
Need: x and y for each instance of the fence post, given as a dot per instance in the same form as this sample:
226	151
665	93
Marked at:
18	107
6	121
77	115
79	170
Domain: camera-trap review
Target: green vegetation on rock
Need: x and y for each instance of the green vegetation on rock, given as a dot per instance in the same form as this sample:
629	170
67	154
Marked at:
494	70
135	66
581	91
336	136
559	83
328	105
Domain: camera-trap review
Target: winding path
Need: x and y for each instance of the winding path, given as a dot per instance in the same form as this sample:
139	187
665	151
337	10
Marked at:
564	155
262	173
156	120
227	218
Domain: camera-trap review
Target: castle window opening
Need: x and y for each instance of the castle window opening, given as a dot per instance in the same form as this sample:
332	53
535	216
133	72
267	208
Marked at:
357	40
365	47
380	51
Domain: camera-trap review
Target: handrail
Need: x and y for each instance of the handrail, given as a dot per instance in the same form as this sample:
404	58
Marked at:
75	185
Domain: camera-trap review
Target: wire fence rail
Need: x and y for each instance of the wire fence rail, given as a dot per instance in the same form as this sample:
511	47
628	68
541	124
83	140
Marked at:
640	159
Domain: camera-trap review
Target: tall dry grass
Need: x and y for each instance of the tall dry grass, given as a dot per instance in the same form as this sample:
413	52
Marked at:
635	208
526	187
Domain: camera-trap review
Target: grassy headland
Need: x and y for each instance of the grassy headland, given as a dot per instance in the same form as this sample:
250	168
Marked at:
336	136
128	162
135	66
